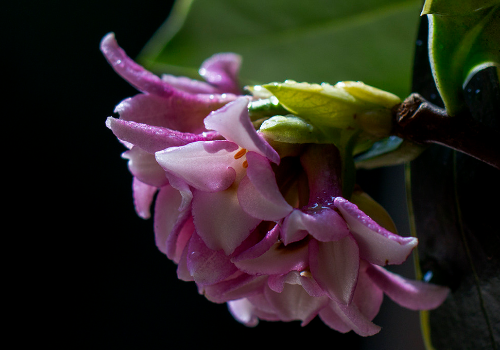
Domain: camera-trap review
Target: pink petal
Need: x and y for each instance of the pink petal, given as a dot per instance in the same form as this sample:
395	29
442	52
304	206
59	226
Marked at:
347	317
232	122
414	295
188	85
277	282
144	166
376	244
220	221
207	266
143	197
171	231
204	165
335	265
367	297
153	138
256	249
240	286
258	192
221	70
295	304
243	311
324	224
277	260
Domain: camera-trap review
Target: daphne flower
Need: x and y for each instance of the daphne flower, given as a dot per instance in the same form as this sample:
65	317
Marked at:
255	223
156	119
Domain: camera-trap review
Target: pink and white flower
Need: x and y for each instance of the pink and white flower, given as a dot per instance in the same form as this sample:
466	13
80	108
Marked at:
272	236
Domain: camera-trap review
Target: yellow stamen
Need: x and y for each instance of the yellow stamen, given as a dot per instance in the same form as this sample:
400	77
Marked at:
245	164
240	153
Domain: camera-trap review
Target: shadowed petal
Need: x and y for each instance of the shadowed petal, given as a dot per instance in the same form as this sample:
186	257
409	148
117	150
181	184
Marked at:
279	259
376	244
172	232
204	165
293	303
277	282
220	221
240	286
258	192
207	266
347	317
414	295
335	265
232	122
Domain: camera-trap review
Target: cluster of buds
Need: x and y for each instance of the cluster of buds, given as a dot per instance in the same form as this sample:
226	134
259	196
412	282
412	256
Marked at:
254	195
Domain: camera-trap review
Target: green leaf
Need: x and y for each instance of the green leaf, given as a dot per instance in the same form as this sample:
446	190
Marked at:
456	222
456	7
343	105
462	42
318	41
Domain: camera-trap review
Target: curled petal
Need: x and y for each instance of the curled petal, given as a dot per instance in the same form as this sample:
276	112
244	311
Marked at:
256	249
143	197
207	266
376	244
325	225
188	85
207	166
414	295
221	70
232	122
220	221
144	166
335	265
258	192
135	74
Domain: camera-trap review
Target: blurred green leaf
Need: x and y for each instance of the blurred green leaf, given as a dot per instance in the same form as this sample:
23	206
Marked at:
462	42
314	41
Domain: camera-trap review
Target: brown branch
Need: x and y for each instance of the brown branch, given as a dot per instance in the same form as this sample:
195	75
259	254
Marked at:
420	121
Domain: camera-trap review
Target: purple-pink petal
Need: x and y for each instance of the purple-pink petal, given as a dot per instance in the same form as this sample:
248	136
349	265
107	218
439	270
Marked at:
324	224
303	278
135	74
220	221
376	244
232	122
239	286
258	192
204	165
335	266
221	70
153	138
243	311
414	295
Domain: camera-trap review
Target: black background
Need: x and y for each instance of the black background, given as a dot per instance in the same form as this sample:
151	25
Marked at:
96	278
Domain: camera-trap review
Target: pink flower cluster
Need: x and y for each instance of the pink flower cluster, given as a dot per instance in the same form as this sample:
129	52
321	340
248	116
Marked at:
269	234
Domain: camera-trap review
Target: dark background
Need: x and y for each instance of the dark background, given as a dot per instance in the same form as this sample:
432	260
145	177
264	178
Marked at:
99	279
